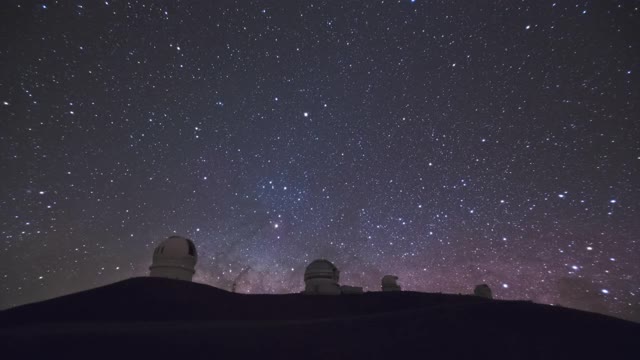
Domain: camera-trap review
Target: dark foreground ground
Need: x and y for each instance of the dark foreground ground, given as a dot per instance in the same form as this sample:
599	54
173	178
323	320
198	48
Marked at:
146	318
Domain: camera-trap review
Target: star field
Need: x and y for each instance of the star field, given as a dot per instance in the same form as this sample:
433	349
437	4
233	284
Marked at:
447	143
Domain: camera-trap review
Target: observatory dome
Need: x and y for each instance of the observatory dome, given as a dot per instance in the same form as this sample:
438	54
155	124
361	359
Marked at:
321	277
390	283
322	269
483	290
174	258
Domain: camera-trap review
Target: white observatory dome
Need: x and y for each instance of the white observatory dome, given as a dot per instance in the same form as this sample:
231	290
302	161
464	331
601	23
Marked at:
174	258
321	278
389	283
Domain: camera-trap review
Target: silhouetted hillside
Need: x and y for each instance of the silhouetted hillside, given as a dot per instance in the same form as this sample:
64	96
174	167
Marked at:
145	317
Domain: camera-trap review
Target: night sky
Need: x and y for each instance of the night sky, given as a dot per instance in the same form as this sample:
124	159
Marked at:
450	143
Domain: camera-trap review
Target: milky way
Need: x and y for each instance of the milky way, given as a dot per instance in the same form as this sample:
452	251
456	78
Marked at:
444	142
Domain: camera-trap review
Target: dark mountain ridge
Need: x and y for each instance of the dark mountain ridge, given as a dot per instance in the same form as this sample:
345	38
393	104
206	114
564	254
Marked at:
168	318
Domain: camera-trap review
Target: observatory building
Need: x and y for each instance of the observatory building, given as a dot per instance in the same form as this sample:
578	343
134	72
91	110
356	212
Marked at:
483	290
322	278
390	283
174	258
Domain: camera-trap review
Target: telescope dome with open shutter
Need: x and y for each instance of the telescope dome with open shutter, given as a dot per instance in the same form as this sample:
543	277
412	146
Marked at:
174	258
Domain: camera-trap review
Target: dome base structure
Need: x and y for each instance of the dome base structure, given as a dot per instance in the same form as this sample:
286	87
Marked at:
349	290
171	272
322	287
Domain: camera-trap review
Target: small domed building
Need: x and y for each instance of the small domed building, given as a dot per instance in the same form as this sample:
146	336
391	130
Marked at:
483	290
174	258
390	283
321	278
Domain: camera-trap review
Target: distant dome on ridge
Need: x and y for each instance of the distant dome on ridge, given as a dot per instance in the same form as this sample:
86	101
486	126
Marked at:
390	283
174	258
483	290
